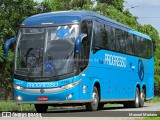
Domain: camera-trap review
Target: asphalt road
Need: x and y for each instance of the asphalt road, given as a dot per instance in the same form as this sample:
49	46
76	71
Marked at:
111	112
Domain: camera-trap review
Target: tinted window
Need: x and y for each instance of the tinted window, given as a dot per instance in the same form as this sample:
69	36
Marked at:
149	48
100	35
87	26
129	44
142	47
118	39
110	38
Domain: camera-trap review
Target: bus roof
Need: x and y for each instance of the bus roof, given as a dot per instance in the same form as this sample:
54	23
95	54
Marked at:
70	17
139	34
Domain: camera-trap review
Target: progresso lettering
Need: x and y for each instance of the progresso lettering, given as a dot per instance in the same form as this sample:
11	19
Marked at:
114	60
41	85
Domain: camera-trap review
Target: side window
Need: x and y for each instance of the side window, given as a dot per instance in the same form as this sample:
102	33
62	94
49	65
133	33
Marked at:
105	37
129	44
111	38
120	40
143	47
86	27
117	39
149	48
100	35
135	43
140	45
123	41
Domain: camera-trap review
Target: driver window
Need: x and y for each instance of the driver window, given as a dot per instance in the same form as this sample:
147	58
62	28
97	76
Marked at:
86	27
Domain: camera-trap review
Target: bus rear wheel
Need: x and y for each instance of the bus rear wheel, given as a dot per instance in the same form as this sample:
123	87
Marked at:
135	103
41	108
93	106
142	98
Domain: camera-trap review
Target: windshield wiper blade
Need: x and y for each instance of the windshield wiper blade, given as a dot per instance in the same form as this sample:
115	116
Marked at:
33	65
54	70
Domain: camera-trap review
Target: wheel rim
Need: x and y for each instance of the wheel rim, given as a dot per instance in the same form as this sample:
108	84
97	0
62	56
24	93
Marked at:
137	99
142	97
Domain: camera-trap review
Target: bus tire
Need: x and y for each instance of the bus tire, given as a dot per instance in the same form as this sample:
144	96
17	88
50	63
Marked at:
93	106
41	108
142	98
135	103
100	106
126	104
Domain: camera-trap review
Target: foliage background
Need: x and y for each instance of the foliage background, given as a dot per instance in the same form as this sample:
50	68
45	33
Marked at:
13	12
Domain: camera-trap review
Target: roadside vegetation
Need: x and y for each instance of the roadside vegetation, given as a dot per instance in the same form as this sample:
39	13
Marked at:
151	118
154	100
12	106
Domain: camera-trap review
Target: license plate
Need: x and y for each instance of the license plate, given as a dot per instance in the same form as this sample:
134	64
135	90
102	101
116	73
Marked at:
42	98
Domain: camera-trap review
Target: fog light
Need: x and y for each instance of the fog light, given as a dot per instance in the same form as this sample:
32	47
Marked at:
19	98
69	96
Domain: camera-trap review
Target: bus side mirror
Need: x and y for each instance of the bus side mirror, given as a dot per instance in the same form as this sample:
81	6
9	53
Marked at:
7	44
79	40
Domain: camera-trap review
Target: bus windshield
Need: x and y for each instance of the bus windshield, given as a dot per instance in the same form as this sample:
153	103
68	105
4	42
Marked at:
46	52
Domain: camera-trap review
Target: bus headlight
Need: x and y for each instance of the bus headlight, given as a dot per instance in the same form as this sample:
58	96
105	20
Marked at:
71	85
18	87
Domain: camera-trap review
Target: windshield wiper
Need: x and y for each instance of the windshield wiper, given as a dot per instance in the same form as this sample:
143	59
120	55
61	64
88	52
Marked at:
28	52
33	65
52	67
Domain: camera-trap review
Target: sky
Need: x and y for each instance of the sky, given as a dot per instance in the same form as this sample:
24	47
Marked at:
147	11
39	0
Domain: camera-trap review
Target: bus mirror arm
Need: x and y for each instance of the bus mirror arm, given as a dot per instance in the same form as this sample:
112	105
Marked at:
7	44
78	43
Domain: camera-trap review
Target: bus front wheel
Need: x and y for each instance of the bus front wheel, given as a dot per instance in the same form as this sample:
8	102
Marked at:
41	108
93	106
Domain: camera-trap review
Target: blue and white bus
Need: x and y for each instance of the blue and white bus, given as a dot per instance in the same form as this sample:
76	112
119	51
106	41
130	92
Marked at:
81	58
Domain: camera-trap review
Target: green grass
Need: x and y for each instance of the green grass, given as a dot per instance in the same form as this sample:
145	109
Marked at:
149	118
154	100
114	104
11	106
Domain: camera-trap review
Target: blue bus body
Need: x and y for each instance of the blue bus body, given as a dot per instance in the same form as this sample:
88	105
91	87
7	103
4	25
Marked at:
116	75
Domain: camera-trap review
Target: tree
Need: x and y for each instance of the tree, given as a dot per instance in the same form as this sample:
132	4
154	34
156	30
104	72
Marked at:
12	13
118	4
62	5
